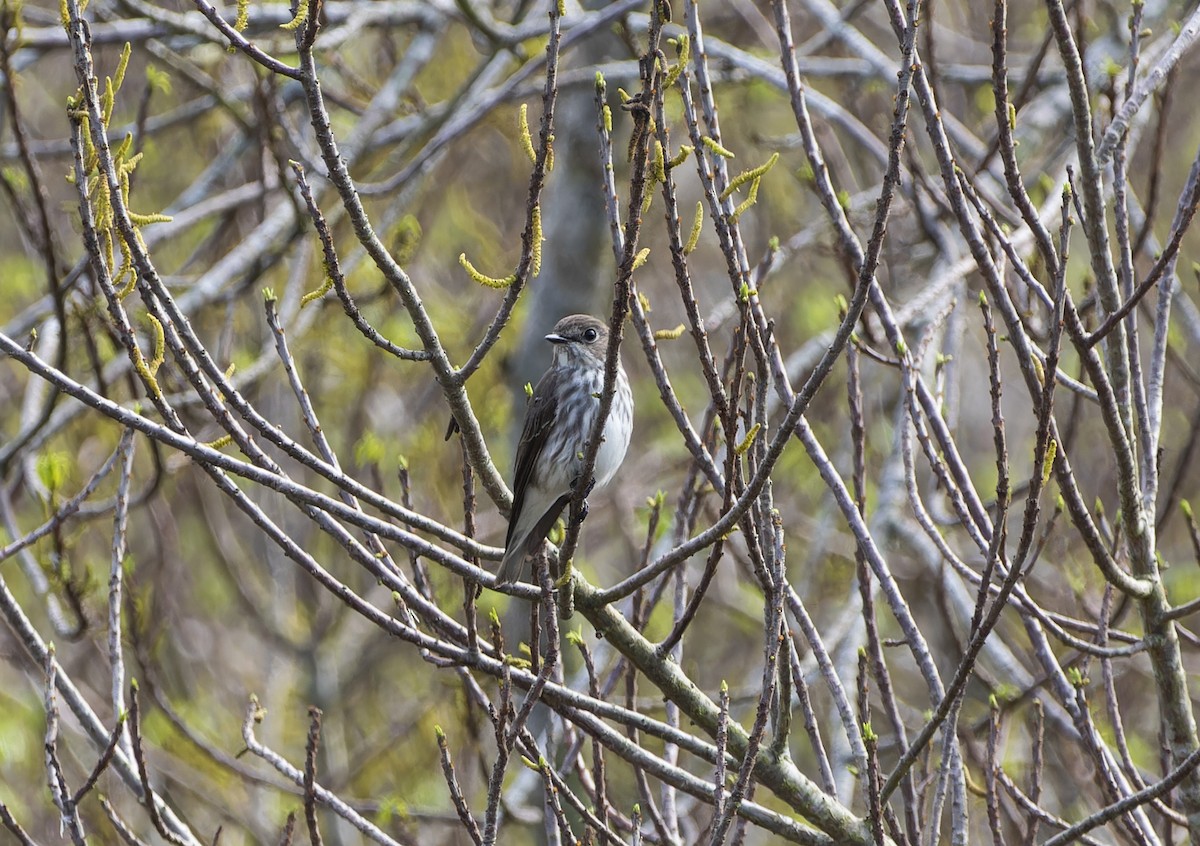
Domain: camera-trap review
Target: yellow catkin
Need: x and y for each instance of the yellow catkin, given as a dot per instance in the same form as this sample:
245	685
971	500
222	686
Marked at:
523	131
697	225
750	200
535	264
680	157
243	15
301	16
752	175
312	296
711	143
487	281
748	441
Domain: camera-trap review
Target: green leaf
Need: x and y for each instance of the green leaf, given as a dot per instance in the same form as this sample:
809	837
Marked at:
369	450
53	469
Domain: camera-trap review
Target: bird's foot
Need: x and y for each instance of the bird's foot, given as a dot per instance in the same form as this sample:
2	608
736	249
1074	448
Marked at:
586	491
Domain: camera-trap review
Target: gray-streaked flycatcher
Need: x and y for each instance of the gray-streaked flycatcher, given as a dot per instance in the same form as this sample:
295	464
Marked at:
558	422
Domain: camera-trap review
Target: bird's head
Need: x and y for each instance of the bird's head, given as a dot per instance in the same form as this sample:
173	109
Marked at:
579	338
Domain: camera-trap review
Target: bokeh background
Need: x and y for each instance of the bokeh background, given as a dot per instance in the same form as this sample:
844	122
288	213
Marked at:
423	98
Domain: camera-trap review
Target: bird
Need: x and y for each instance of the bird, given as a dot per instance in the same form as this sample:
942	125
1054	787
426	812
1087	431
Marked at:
558	422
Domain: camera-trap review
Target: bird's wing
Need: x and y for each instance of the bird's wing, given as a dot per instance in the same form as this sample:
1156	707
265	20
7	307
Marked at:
539	419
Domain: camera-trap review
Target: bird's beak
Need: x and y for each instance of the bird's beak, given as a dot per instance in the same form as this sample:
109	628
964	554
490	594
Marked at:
555	338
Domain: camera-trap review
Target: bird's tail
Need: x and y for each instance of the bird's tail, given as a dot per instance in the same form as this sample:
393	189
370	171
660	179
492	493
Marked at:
512	565
524	541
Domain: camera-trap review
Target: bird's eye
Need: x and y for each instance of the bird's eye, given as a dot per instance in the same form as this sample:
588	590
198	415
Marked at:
590	335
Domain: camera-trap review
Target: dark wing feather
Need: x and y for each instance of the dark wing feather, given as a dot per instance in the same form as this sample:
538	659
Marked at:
539	420
533	540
